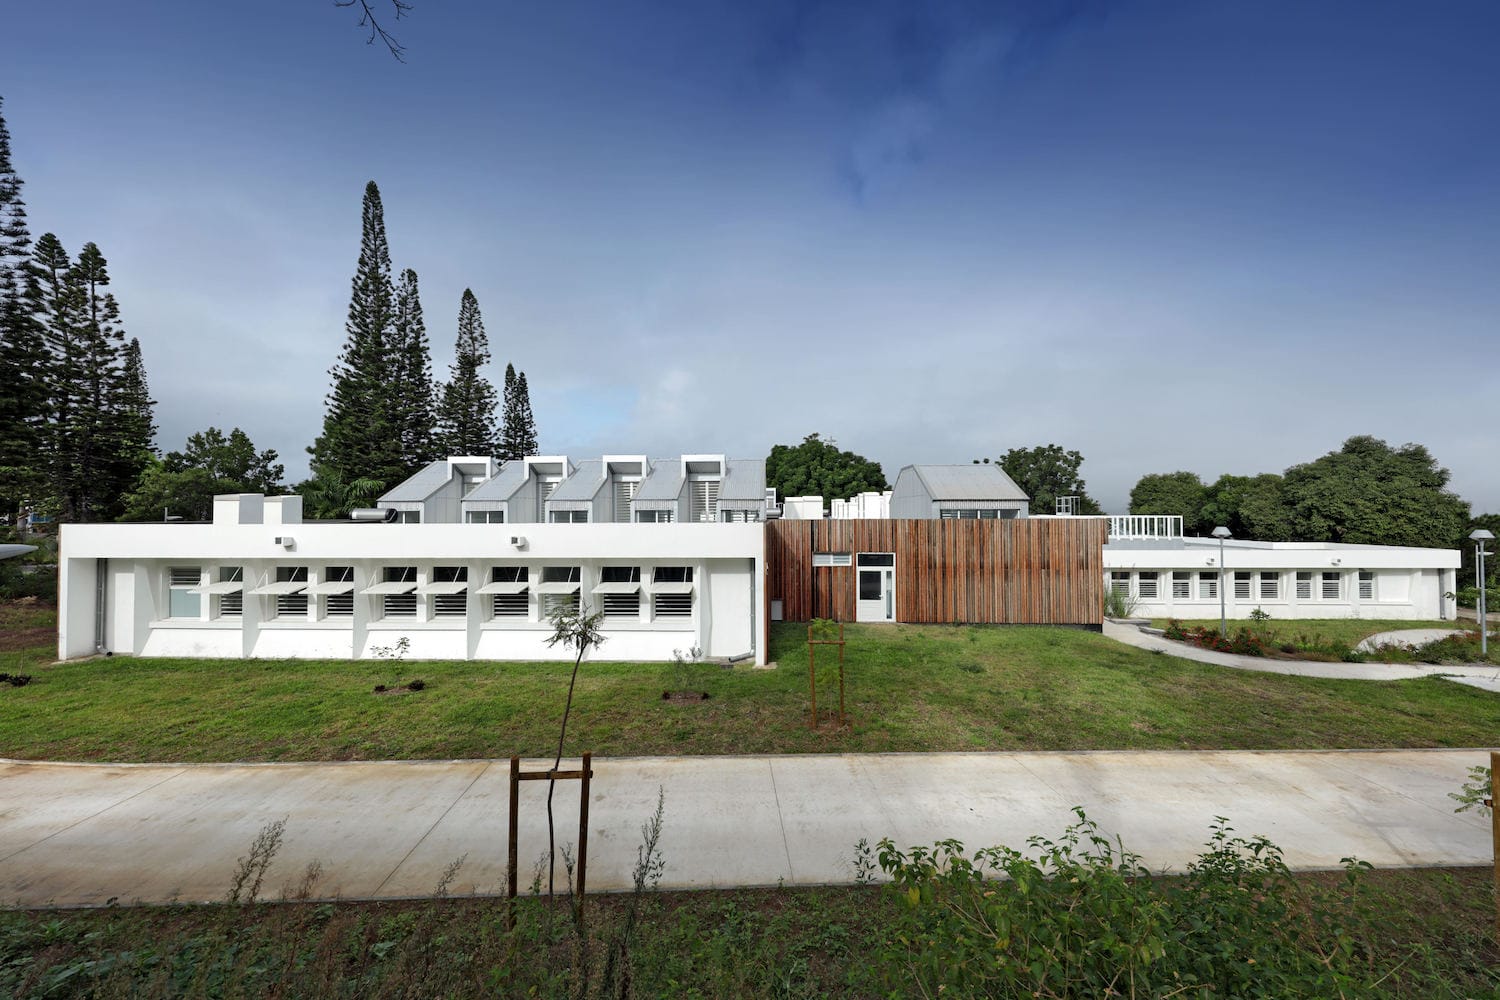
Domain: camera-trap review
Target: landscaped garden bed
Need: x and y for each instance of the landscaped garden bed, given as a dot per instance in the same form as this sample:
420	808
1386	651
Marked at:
1328	640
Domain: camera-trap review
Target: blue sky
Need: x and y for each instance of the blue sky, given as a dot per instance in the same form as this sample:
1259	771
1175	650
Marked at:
1217	237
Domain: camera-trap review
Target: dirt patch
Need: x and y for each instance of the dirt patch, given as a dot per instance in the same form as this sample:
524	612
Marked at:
685	697
15	640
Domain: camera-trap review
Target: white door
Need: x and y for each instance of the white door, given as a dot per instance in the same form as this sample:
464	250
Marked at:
875	587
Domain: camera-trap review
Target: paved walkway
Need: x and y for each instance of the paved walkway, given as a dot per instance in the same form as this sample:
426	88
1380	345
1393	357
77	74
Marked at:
1406	637
79	834
1480	676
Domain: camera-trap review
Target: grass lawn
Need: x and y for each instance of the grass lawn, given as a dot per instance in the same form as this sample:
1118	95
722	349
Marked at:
1428	938
910	688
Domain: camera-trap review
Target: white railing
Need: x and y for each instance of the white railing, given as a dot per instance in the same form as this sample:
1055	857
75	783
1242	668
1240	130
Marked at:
1145	526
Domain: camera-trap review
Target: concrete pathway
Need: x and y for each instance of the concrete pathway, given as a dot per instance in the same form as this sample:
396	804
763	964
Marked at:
1477	675
1408	638
79	834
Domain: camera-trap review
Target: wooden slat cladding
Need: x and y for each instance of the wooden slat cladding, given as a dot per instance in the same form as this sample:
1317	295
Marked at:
1030	571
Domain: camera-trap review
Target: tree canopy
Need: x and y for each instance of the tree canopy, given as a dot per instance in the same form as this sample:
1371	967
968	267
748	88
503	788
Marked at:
185	482
1047	472
1180	493
1370	493
817	467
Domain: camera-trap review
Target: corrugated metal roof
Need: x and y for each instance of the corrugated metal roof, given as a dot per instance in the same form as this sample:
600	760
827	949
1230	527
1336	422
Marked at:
968	482
420	485
501	485
585	481
664	483
744	481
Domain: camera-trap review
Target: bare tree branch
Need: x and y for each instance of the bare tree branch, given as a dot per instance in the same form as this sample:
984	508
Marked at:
367	19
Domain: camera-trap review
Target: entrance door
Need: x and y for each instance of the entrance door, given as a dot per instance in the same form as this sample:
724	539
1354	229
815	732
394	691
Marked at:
875	583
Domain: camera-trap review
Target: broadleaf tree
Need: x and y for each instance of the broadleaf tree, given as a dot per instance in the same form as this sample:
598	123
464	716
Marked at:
1180	493
1047	472
184	483
817	467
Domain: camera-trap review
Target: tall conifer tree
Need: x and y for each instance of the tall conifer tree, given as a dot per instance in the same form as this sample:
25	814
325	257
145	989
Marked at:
466	416
413	407
96	482
23	375
134	417
358	439
518	439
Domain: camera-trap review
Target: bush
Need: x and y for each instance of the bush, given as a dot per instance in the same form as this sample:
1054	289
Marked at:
1118	604
1086	918
1174	630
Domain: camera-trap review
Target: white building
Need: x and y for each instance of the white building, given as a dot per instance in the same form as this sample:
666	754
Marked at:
260	582
1169	576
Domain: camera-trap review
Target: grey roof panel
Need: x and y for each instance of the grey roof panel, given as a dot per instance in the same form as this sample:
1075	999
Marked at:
664	482
420	485
501	485
744	481
968	482
585	481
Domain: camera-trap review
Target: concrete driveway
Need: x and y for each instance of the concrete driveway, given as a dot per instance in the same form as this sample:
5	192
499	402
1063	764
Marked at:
78	834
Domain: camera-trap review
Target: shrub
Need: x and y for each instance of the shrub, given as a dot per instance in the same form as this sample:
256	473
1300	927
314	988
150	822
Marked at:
1086	918
1174	630
1118	604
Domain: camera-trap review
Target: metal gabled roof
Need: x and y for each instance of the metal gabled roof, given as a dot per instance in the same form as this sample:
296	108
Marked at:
744	481
501	485
967	482
420	485
664	483
583	484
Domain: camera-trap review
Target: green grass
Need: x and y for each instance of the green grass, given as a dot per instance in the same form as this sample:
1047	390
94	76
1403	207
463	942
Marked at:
1432	942
910	688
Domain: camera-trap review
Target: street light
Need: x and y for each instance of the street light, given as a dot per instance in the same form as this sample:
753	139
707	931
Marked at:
1480	536
1222	533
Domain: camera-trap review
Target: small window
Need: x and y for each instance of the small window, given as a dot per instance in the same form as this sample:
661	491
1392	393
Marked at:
620	603
291	605
564	601
741	516
1242	586
832	559
1182	585
1270	586
183	599
1208	586
450	605
1331	586
673	605
1366	585
339	605
877	559
672	574
569	517
704	496
1304	586
402	605
408	517
1148	585
625	606
948	515
989	515
514	598
485	517
232	604
655	516
1119	582
1008	515
623	494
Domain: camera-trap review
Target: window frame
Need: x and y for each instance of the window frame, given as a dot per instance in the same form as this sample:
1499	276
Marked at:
177	588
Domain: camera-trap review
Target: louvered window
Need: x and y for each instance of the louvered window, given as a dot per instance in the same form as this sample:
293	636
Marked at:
705	500
1208	586
1182	585
655	516
450	605
1148	586
183	599
832	559
1331	586
232	604
511	598
1366	585
557	596
399	605
1304	586
340	605
545	485
674	605
620	603
741	516
1270	586
292	605
624	493
1242	586
485	517
1119	582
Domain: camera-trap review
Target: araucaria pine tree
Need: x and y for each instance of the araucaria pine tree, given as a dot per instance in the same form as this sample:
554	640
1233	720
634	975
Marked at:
359	439
526	424
23	400
466	417
413	408
511	448
134	416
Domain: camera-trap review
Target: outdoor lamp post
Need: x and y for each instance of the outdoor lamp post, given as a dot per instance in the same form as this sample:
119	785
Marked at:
1480	536
1222	533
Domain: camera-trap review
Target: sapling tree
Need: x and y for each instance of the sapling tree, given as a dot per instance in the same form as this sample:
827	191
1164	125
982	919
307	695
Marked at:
575	629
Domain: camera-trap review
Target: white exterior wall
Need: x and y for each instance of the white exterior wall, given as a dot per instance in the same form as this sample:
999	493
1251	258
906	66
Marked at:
727	561
1408	583
802	508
